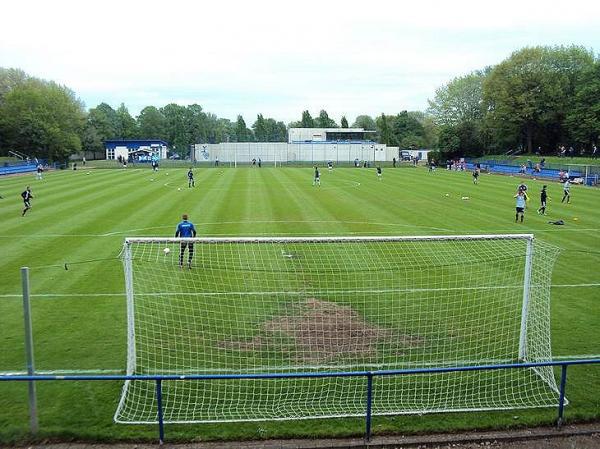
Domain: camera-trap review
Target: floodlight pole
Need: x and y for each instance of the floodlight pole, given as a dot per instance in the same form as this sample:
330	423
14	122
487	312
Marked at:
33	419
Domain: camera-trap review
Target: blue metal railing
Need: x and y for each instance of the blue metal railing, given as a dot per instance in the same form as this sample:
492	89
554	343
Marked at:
368	374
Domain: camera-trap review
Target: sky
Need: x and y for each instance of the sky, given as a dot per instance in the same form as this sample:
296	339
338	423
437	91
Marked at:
278	58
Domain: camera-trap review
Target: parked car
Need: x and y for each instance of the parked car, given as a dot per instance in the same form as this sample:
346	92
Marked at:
405	155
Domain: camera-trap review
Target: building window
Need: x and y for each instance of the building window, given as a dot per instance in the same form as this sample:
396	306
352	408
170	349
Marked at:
110	153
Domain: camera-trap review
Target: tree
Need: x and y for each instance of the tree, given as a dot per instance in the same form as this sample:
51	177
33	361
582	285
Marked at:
90	139
344	122
105	121
449	141
242	133
365	122
276	131
197	124
459	101
307	120
261	133
42	119
10	79
384	130
323	121
126	124
529	92
152	124
583	119
177	127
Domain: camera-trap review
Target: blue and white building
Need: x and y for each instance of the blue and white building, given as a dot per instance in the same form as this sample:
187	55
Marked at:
304	145
136	150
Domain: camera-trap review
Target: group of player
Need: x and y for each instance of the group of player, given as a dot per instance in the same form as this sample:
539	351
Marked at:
522	198
317	173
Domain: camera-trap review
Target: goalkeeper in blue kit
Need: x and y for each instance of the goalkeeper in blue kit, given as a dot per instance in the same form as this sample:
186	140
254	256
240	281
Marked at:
186	229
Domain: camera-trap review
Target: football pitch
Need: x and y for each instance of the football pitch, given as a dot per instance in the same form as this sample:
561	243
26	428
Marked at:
72	237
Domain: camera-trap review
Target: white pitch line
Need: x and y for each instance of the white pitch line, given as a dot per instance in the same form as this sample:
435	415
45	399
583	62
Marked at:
304	292
253	222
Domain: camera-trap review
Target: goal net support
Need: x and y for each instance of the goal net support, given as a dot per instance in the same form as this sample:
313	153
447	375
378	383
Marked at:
289	305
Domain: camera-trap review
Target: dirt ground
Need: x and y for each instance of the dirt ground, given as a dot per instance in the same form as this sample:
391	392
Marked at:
316	331
581	436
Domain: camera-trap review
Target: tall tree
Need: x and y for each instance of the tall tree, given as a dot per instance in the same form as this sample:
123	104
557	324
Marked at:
261	133
344	122
307	120
529	92
198	124
126	124
42	119
242	133
460	100
583	118
366	122
323	121
105	121
11	78
384	130
177	127
152	124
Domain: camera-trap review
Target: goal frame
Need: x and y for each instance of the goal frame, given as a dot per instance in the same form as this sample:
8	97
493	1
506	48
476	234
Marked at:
129	281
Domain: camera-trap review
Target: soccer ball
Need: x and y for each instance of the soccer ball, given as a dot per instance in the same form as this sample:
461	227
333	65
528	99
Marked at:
166	251
178	188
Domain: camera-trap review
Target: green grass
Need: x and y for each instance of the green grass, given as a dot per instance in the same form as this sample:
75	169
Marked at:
81	220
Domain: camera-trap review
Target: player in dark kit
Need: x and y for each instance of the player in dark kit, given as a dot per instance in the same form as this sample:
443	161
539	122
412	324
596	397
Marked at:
317	178
475	175
379	173
191	182
187	230
543	199
26	195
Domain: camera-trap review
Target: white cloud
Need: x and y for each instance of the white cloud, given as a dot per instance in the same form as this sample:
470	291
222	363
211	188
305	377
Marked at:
245	57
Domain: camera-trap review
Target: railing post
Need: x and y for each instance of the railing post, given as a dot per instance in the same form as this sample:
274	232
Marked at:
561	398
161	427
369	403
33	418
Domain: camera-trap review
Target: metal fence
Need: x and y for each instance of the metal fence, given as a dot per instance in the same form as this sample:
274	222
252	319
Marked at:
368	375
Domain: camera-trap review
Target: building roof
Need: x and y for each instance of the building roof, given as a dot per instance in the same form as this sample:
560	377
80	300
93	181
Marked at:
135	141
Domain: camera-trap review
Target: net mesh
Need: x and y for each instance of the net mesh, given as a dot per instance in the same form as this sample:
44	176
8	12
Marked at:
311	305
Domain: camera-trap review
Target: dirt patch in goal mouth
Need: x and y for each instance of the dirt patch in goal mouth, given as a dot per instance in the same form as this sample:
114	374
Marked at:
316	331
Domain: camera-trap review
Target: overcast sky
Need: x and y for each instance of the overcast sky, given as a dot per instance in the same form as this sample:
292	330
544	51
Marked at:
278	57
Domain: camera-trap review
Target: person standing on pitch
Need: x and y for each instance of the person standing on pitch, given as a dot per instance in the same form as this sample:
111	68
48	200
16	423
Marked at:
191	182
317	178
26	195
543	200
520	205
566	191
186	229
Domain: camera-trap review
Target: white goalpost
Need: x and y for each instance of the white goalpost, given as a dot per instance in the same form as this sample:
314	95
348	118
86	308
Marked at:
288	305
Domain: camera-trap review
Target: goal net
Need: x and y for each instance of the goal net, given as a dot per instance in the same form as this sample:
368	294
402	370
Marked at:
289	305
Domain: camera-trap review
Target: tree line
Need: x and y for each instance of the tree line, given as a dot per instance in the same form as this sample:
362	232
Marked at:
538	99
